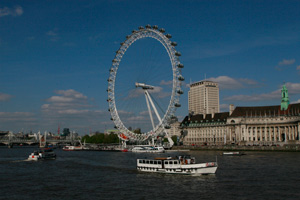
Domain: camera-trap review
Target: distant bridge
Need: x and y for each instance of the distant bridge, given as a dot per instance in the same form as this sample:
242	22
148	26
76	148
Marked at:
14	140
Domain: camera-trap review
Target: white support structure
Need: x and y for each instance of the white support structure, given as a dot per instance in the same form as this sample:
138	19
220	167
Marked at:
148	99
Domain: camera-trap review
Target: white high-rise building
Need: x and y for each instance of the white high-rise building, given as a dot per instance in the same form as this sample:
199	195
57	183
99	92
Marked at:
204	97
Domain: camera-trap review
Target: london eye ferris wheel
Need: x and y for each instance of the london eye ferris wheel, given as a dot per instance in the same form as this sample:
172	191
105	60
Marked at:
142	89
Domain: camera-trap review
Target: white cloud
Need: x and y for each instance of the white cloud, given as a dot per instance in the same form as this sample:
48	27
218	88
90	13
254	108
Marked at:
67	96
298	101
16	11
69	100
163	82
287	62
53	35
136	119
5	97
293	89
224	107
17	119
73	109
255	97
60	99
226	82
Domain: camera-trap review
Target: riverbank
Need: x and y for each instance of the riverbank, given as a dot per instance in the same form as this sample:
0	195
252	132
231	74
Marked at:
284	148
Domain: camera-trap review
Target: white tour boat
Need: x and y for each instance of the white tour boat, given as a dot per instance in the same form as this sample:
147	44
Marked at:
42	154
179	165
148	149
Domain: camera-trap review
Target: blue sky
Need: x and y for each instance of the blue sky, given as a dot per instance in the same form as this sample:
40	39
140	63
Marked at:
55	55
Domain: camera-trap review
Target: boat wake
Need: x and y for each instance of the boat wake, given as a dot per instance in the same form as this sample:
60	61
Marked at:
16	161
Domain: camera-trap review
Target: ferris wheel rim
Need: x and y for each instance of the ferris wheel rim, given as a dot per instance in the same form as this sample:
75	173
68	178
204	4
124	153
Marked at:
150	32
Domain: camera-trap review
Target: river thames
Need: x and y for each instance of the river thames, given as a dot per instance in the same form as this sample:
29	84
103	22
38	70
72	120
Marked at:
113	175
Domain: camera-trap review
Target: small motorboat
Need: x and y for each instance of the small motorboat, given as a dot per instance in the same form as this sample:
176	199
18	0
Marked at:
79	147
233	154
72	148
42	154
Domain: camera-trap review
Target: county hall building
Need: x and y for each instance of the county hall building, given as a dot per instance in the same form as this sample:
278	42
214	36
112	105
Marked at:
261	125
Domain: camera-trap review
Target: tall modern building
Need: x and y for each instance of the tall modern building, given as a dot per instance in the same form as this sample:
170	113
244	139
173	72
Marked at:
204	97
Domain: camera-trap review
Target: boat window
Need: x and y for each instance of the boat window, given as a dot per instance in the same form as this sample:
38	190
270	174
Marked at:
171	162
143	161
166	162
175	163
159	162
140	161
147	161
155	162
151	161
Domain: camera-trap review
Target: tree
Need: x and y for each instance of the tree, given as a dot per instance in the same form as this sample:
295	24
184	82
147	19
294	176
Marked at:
174	138
137	131
101	138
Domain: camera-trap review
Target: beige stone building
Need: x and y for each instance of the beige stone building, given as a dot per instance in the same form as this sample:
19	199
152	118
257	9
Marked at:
262	125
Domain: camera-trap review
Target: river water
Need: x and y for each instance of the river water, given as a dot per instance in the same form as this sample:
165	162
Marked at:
113	175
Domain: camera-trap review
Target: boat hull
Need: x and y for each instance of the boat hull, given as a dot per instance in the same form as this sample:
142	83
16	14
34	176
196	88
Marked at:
196	171
148	149
72	148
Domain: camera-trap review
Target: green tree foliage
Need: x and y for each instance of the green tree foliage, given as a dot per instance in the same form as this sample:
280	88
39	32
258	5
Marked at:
101	138
174	138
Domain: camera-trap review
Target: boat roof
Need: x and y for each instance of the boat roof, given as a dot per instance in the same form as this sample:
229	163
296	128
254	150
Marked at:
163	158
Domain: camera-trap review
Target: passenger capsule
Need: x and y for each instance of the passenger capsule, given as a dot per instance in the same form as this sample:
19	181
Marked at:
134	31
109	80
141	28
173	117
167	127
181	78
169	36
180	65
178	53
162	30
122	43
128	36
177	105
111	70
108	100
115	127
148	26
108	90
174	44
155	27
114	60
111	118
179	91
